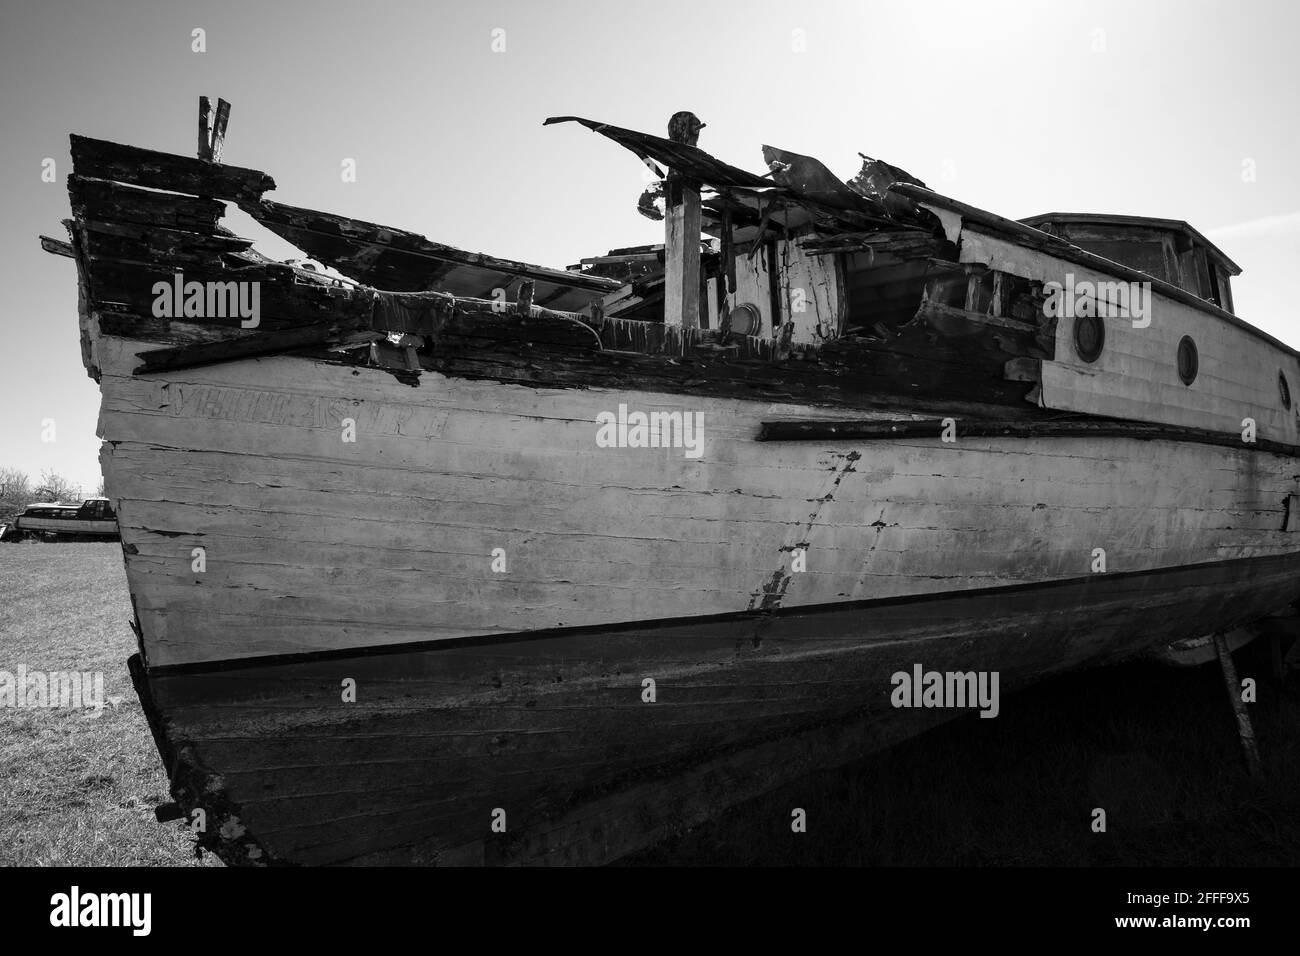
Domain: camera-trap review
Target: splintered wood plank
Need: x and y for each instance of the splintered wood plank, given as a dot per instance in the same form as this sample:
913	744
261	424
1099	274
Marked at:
269	343
219	130
401	261
146	167
113	202
57	246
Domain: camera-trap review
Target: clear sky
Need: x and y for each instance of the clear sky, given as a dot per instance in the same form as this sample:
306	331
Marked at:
1143	107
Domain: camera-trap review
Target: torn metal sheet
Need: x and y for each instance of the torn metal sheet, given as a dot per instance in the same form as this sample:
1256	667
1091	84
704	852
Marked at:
875	181
810	178
688	160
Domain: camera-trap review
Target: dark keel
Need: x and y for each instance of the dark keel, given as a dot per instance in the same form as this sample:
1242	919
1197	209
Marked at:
551	726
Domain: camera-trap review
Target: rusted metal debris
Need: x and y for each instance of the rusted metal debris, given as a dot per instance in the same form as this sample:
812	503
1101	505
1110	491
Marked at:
794	183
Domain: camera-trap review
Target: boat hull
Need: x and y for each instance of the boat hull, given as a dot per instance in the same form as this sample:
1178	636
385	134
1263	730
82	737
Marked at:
252	526
554	735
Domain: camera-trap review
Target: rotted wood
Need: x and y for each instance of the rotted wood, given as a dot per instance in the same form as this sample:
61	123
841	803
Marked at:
475	339
874	430
57	246
285	297
112	202
369	252
249	346
148	245
100	159
429	313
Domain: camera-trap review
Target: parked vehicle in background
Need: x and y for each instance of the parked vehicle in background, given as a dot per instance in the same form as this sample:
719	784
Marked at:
94	519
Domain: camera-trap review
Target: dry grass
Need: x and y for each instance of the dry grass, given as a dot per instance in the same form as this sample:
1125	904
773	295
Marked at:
76	790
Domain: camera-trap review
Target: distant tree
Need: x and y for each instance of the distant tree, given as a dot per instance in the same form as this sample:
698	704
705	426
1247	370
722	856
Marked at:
54	487
15	493
99	488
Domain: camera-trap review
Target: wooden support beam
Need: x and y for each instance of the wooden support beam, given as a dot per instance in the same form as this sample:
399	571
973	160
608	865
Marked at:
682	226
1244	728
682	262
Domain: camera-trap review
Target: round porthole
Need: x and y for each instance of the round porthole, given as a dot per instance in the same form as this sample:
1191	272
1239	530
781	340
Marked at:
1188	360
745	319
1284	390
1089	337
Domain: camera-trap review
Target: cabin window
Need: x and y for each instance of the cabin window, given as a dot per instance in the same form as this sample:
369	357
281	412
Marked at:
1215	296
1089	337
1188	360
1284	390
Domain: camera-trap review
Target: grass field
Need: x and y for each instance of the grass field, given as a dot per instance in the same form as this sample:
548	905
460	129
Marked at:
76	789
1156	748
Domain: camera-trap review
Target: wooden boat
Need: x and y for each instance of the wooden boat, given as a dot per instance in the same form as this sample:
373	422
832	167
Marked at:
429	565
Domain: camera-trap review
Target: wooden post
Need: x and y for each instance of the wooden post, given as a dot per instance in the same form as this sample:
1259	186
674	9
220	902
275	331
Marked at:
1244	729
524	300
212	130
219	130
682	224
205	128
